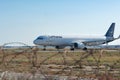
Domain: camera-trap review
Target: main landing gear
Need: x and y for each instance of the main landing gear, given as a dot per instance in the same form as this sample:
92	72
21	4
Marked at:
44	48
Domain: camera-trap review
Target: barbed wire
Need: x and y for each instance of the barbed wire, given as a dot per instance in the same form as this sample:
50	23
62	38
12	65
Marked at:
71	64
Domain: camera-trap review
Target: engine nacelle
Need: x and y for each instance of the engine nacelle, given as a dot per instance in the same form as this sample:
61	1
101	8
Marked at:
79	46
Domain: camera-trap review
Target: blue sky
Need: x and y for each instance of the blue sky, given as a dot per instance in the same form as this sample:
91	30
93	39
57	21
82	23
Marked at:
24	20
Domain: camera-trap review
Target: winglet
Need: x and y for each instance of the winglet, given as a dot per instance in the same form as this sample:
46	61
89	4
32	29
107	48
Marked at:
110	32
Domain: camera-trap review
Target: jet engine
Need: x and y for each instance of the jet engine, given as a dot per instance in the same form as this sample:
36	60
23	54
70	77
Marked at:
79	46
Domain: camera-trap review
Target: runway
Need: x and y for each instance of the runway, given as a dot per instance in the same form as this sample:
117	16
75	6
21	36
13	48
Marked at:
69	51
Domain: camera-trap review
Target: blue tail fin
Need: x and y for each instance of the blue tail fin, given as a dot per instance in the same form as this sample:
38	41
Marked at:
110	32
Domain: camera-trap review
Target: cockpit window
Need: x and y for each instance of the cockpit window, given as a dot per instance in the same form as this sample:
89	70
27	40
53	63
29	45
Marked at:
40	38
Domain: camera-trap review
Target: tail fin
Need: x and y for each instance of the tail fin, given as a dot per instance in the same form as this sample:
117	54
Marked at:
110	32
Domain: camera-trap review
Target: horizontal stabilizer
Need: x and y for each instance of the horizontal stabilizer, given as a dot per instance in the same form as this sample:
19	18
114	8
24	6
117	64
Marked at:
118	37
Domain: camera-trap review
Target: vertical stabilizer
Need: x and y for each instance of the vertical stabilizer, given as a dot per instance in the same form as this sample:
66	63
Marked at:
110	32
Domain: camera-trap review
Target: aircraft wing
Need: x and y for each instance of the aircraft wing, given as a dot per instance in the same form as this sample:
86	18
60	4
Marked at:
93	43
98	42
90	43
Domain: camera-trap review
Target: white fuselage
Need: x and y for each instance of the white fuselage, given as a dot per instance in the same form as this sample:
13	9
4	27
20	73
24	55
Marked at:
68	41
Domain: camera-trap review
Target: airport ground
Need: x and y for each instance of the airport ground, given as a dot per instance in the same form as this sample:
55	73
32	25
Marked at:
78	63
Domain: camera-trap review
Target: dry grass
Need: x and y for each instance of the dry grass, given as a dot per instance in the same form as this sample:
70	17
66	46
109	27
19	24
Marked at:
64	64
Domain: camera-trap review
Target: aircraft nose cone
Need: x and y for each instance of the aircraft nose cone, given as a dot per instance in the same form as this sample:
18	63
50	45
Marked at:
35	41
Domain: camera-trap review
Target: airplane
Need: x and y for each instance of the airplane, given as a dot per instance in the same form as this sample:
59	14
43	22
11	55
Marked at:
60	42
